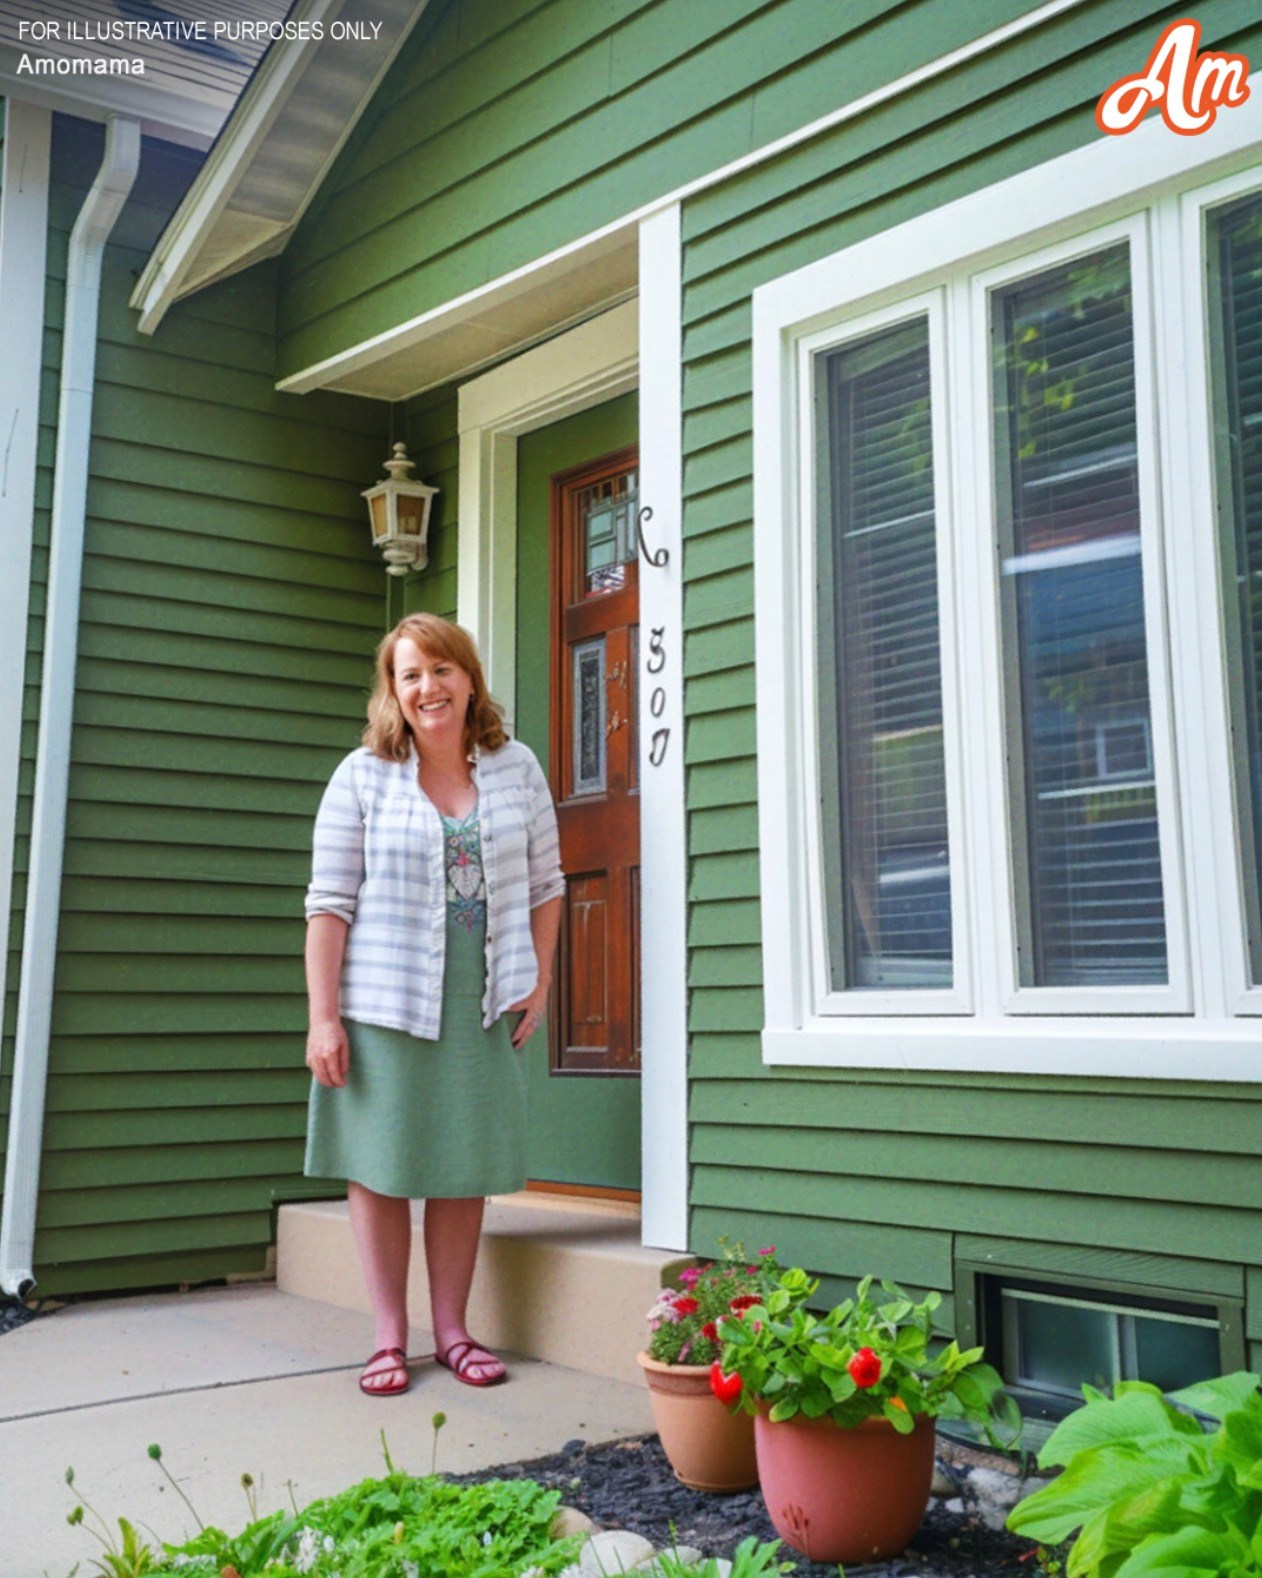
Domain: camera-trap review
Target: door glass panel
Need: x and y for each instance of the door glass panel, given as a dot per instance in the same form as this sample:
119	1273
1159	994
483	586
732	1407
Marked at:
588	745
607	513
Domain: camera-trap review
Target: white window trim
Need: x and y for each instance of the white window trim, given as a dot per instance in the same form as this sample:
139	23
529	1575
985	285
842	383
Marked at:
1059	202
1217	803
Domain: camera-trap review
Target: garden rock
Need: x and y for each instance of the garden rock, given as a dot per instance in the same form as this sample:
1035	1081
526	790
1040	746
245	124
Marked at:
569	1521
614	1551
996	1493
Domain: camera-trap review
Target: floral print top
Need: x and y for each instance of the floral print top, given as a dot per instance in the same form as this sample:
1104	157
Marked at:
466	883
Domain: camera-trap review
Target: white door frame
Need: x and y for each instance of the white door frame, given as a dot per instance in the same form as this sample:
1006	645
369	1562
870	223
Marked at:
595	362
584	367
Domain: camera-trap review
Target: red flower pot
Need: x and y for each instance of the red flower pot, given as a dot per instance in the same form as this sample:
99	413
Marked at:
844	1495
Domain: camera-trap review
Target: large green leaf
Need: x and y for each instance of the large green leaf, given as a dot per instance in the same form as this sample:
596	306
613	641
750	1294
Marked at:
1134	1416
1185	1553
1219	1396
1239	1442
1098	1479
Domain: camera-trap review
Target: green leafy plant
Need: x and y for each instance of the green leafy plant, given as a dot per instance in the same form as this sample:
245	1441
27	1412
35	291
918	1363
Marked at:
394	1527
1149	1489
683	1322
868	1357
752	1558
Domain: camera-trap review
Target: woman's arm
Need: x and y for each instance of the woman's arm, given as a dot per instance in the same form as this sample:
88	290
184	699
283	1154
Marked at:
328	1051
545	927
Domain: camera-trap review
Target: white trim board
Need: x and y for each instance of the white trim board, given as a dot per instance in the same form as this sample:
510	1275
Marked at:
590	248
663	814
23	246
1144	186
596	362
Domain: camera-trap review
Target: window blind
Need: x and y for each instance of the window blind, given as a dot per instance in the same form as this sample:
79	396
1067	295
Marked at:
1074	645
888	799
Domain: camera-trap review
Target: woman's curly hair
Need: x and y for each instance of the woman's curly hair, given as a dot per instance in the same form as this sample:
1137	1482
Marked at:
388	734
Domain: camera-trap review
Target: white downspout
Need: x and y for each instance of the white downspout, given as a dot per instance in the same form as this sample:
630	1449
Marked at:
96	220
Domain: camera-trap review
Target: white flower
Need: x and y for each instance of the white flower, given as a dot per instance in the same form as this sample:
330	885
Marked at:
486	1538
308	1551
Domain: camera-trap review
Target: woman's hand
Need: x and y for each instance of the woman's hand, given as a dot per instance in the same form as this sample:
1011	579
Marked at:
328	1052
533	1011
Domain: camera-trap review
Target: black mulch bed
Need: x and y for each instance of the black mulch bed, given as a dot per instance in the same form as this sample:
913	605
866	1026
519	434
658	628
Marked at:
629	1485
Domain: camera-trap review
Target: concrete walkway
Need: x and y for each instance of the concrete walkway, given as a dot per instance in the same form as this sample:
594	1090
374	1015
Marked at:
230	1380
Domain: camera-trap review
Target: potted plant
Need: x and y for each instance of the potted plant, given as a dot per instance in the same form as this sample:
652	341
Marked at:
708	1445
844	1405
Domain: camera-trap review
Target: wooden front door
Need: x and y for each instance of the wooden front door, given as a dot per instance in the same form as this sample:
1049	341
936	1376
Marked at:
576	660
595	613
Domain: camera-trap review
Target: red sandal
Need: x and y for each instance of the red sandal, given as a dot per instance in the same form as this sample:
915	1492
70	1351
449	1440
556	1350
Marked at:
460	1361
400	1366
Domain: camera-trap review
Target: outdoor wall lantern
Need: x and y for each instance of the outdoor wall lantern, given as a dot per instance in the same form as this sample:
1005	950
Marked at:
398	511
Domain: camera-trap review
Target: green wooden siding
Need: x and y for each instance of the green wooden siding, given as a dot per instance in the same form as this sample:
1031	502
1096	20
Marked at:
506	130
1153	1186
231	600
431	431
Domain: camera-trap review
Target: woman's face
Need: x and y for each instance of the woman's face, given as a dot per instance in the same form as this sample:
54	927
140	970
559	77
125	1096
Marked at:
433	695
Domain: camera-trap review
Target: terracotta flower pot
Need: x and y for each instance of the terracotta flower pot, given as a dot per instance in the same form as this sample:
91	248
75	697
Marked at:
844	1495
708	1446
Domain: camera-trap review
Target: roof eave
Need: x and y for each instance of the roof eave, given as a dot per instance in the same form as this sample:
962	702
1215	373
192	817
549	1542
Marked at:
172	268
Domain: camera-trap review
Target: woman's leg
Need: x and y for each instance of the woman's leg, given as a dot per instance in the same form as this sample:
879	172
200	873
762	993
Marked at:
382	1226
452	1230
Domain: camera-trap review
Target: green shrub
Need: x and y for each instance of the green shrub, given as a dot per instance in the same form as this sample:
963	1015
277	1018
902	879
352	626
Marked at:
1150	1490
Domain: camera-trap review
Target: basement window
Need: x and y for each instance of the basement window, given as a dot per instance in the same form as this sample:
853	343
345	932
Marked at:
1047	1343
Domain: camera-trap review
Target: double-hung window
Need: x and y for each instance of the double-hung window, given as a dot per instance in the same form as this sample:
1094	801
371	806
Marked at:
1008	545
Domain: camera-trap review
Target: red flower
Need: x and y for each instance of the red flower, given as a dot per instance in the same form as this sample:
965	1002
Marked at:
865	1368
727	1388
687	1305
743	1301
710	1331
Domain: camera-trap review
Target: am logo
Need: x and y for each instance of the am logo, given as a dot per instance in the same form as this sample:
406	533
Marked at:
1188	86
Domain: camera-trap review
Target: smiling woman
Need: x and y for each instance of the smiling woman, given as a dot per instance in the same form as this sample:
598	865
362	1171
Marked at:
433	913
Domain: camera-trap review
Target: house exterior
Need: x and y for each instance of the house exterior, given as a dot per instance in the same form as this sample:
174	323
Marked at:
847	466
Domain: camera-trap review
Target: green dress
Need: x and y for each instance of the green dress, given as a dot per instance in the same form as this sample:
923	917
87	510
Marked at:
432	1119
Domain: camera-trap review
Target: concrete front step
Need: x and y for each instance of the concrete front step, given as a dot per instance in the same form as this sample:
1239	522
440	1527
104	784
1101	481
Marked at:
560	1278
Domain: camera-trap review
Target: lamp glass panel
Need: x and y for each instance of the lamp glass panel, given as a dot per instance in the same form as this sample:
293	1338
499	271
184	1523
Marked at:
379	512
411	514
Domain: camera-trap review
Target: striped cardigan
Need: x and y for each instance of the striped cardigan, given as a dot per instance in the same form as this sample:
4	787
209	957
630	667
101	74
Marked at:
378	863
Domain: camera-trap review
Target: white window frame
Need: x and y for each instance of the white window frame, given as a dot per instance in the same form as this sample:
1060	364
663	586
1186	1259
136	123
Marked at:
1146	186
1241	996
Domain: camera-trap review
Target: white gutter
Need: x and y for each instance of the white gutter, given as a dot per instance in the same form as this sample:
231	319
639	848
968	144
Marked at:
96	220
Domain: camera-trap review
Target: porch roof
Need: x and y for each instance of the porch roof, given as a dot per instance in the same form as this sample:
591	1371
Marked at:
276	147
